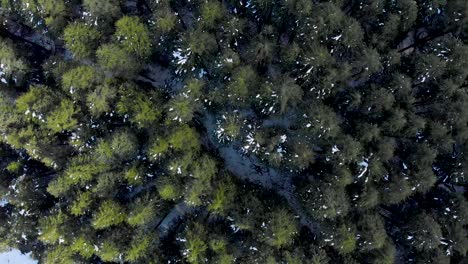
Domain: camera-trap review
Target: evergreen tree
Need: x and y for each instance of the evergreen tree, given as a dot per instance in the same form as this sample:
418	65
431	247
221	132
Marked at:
109	214
134	36
81	40
260	131
12	68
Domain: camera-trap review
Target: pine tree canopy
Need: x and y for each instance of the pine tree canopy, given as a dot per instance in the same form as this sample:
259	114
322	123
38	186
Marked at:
225	132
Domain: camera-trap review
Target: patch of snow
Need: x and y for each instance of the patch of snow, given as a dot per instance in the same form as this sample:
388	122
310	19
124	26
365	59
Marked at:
335	149
365	165
337	37
235	228
283	138
180	58
15	256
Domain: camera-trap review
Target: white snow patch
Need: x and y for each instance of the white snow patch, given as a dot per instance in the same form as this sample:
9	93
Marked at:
335	149
365	165
283	138
337	37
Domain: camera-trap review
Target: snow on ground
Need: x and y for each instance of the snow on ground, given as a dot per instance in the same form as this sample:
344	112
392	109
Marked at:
14	256
364	165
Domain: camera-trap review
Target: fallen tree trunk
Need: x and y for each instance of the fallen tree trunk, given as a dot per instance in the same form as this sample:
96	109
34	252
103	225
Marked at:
15	30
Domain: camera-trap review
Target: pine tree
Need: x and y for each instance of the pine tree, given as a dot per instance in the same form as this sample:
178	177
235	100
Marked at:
281	229
81	39
117	61
134	36
109	214
63	118
12	68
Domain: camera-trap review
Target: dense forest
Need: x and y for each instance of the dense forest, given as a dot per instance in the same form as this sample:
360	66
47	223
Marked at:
234	131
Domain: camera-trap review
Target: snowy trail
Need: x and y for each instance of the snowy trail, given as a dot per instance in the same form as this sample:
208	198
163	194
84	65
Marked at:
245	168
179	211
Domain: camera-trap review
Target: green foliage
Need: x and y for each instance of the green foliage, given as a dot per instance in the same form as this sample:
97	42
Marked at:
109	251
158	148
141	109
129	120
100	100
350	149
196	246
59	255
290	94
81	39
185	138
323	201
104	9
134	175
369	198
201	43
103	151
80	171
124	145
224	197
386	255
231	125
12	67
134	36
54	13
303	155
107	185
263	52
14	167
182	108
211	12
196	193
204	169
109	214
36	102
244	81
7	110
396	191
372	230
353	34
282	228
83	247
141	215
327	123
140	245
409	13
425	232
82	203
319	256
117	60
63	118
52	227
166	20
80	80
169	191
346	240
